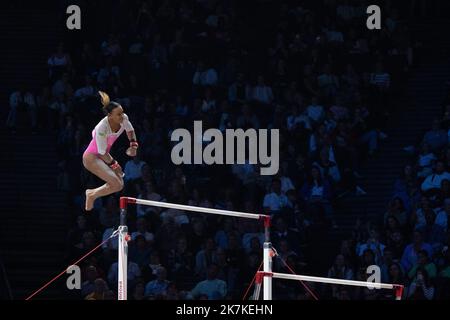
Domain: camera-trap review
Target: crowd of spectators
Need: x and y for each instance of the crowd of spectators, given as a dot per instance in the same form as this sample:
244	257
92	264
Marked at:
410	241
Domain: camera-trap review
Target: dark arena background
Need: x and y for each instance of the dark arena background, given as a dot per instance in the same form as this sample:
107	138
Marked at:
360	100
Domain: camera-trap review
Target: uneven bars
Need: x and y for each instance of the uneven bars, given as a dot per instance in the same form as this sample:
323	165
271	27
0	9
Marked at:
123	257
125	200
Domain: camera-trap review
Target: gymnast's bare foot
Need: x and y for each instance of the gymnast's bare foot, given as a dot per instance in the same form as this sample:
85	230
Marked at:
89	199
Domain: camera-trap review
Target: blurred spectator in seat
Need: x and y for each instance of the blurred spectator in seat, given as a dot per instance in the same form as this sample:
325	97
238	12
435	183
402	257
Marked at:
425	161
204	76
59	62
20	101
86	92
139	251
396	210
261	93
142	229
133	273
275	201
99	293
138	292
239	91
421	288
109	214
133	169
88	286
410	254
436	138
432	183
212	287
159	285
339	270
424	262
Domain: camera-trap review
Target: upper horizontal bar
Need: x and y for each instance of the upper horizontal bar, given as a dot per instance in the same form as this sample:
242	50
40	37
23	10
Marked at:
195	209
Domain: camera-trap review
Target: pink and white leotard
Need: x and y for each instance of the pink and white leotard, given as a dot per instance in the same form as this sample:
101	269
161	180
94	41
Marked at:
103	137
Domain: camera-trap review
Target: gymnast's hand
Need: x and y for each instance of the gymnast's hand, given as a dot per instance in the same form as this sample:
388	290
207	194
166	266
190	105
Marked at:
115	166
119	172
132	150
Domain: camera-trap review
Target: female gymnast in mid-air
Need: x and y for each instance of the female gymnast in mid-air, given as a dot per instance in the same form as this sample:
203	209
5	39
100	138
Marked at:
97	159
